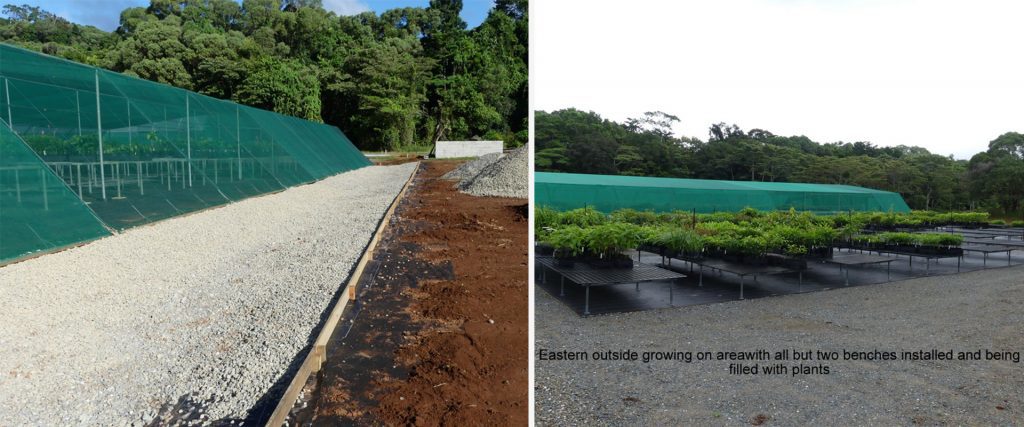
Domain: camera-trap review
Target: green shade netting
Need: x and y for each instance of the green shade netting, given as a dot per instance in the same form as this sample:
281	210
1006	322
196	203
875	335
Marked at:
136	151
37	210
606	193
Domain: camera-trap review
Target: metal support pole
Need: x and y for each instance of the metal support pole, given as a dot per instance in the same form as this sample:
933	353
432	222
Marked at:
138	174
741	287
7	94
586	302
701	282
17	184
78	168
46	198
78	112
561	291
984	259
238	142
117	174
99	133
188	141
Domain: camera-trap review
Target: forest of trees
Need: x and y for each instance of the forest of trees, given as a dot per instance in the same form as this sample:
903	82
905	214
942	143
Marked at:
409	76
582	142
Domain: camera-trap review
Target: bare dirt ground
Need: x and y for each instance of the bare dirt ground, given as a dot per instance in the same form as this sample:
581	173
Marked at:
440	332
982	310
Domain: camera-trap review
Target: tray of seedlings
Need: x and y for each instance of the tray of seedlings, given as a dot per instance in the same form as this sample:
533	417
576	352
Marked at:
787	239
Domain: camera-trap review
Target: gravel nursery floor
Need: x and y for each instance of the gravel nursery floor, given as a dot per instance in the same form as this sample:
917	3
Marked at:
191	319
967	312
723	287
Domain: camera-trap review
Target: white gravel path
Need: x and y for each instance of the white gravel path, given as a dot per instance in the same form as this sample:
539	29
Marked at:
215	304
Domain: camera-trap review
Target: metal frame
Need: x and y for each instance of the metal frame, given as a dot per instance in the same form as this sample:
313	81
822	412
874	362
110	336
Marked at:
586	276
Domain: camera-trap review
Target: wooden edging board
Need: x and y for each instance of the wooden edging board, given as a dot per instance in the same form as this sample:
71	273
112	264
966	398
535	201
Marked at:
318	353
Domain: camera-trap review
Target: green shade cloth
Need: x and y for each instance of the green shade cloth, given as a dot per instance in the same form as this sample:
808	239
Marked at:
133	151
606	193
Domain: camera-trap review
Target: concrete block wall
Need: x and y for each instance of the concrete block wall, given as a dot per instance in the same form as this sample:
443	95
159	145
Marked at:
454	149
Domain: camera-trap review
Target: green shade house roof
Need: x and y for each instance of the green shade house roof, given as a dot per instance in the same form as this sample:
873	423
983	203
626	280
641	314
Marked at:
607	193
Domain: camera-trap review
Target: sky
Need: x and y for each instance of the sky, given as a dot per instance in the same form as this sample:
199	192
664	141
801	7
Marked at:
104	14
944	75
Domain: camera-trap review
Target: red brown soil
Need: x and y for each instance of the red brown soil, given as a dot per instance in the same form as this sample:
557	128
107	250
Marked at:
463	360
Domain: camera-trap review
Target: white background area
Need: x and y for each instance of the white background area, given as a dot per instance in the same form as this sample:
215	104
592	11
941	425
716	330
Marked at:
944	75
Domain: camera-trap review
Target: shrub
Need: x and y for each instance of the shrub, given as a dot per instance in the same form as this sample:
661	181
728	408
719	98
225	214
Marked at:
633	216
611	238
677	240
545	217
997	222
583	217
795	250
897	238
568	240
1017	223
939	239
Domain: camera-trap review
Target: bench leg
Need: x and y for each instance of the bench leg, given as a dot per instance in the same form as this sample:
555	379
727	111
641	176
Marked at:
741	287
701	282
586	301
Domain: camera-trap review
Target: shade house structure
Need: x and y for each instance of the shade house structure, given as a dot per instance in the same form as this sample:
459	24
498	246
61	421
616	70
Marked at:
84	152
606	193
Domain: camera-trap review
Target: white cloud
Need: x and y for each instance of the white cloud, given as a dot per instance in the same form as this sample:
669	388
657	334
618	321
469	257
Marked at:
346	7
944	75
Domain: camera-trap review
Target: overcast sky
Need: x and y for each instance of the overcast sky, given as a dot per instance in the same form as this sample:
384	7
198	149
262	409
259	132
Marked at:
945	75
105	14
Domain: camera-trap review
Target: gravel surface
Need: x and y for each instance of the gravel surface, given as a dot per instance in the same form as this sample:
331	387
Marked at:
507	177
207	309
473	167
967	312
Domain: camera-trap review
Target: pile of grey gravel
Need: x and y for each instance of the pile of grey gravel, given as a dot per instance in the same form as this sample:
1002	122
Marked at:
473	167
192	318
507	177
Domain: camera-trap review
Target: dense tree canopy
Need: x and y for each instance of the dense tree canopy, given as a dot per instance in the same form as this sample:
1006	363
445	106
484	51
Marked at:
583	142
408	76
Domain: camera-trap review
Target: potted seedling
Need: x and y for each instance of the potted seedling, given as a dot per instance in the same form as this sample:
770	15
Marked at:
545	221
568	244
582	217
604	244
676	241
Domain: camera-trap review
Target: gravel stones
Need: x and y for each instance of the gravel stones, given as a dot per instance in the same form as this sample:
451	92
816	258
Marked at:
194	317
969	311
507	177
473	167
